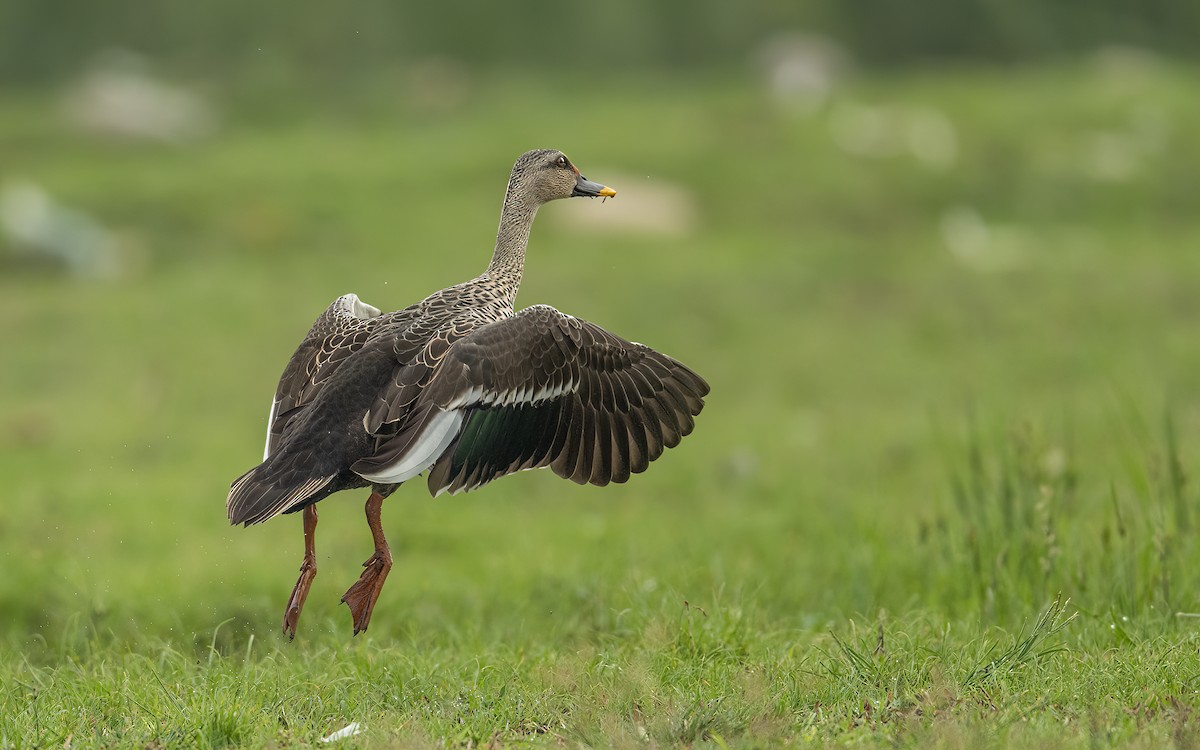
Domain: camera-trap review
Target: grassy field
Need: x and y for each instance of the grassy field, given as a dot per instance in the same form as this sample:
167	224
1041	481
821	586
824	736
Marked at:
940	496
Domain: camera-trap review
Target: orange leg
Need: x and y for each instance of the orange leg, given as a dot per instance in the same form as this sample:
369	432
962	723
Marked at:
362	595
308	571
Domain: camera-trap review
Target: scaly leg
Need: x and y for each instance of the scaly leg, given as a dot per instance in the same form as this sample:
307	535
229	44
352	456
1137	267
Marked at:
308	571
362	595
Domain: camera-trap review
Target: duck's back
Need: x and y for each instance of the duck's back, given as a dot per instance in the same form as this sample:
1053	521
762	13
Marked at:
348	391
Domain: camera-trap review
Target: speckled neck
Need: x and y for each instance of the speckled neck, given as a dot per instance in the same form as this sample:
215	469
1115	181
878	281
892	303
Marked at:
508	259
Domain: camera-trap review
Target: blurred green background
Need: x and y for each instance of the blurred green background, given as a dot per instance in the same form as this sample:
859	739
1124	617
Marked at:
305	39
938	261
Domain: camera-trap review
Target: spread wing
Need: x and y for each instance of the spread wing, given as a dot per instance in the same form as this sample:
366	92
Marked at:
340	331
546	389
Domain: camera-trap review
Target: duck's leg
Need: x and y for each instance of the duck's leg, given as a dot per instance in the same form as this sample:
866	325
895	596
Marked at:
308	571
362	595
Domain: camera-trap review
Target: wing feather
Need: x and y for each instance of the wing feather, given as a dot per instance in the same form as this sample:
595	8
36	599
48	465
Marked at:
620	444
544	389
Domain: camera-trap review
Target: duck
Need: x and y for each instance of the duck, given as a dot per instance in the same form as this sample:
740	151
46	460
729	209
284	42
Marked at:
461	387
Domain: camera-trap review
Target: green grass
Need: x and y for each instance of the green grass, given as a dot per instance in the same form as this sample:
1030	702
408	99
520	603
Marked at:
935	499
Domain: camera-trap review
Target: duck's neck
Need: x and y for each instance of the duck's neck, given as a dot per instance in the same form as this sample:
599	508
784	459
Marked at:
508	259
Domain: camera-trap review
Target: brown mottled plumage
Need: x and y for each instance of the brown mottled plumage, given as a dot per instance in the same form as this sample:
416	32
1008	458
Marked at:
464	387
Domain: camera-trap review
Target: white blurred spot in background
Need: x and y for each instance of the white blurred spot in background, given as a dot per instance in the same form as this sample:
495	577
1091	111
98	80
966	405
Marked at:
43	230
643	206
118	96
863	130
1110	157
924	133
742	464
1126	65
802	70
931	137
1120	154
980	246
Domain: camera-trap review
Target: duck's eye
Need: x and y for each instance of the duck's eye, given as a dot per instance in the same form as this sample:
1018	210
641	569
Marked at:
561	161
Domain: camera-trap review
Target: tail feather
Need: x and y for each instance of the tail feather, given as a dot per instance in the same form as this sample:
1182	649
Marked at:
261	493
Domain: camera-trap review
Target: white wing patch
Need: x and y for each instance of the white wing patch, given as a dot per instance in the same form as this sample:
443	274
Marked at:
522	395
426	449
270	422
467	397
554	392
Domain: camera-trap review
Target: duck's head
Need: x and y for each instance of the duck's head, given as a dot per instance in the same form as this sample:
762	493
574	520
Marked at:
544	175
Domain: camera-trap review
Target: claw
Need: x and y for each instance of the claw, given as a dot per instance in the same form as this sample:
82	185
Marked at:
361	597
291	615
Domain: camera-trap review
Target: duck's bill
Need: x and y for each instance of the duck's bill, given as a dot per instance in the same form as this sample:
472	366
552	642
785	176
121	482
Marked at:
586	188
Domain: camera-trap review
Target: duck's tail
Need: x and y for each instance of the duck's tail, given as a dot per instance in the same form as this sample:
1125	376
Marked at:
275	486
